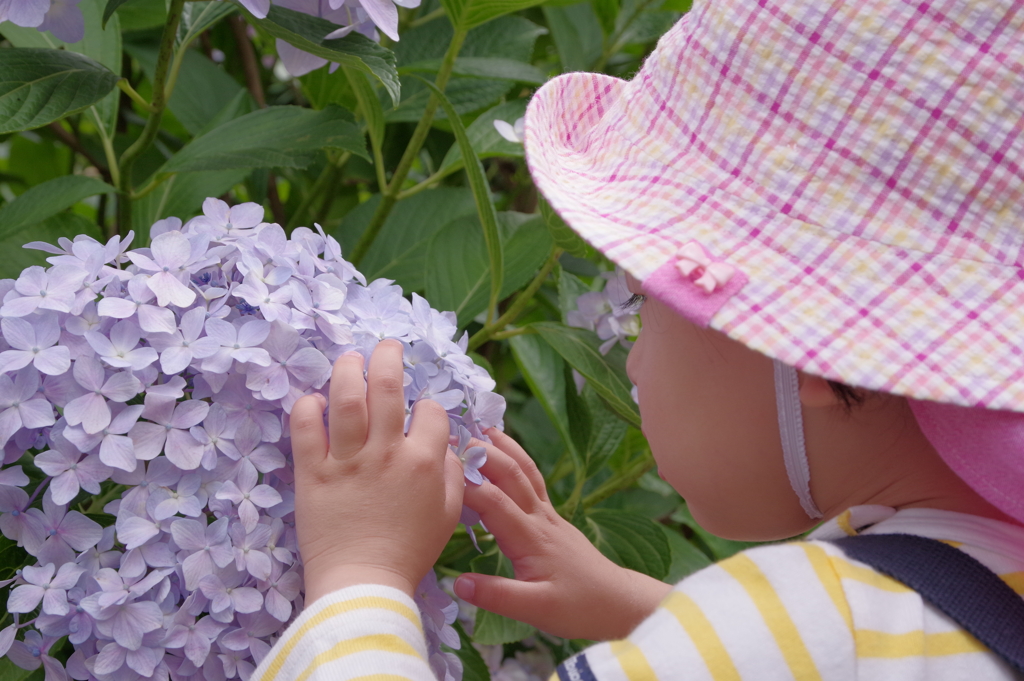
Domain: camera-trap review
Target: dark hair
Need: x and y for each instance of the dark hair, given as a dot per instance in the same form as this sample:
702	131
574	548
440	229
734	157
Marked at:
850	397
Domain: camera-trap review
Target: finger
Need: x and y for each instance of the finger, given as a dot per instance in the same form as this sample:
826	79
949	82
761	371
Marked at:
429	426
521	601
509	524
525	461
385	393
506	473
348	417
309	437
455	486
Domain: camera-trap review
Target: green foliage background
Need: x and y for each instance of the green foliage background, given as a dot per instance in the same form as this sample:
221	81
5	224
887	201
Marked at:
166	102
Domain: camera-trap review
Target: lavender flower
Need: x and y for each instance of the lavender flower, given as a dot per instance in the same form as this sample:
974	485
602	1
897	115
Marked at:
164	404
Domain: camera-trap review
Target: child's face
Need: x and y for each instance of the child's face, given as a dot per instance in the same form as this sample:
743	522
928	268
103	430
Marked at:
708	408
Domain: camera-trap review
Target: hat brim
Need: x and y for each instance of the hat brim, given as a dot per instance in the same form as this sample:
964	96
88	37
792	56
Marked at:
848	308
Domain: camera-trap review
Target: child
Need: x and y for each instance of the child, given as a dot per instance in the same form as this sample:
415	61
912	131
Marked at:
809	195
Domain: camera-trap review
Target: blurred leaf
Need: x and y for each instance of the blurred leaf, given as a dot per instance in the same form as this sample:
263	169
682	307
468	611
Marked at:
277	137
607	11
482	195
570	288
197	17
203	88
138	15
720	548
467	14
38	86
484	67
67	225
486	140
563	234
510	37
308	33
44	200
473	666
37	159
544	372
369	105
607	373
606	431
100	44
630	540
577	34
322	87
492	629
457	275
686	558
12	672
400	251
677	5
111	7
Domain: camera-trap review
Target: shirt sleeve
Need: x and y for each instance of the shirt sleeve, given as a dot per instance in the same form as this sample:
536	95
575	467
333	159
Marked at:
358	632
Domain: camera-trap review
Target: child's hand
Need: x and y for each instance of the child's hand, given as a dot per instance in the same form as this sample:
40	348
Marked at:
563	584
372	505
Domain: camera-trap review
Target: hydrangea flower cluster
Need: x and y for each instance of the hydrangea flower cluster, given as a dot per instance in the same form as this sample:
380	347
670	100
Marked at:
606	313
62	18
144	401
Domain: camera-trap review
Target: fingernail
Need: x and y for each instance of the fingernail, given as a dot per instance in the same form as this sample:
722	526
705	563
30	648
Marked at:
353	353
465	588
323	400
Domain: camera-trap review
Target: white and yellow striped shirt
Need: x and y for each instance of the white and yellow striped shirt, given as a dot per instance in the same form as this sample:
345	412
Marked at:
799	610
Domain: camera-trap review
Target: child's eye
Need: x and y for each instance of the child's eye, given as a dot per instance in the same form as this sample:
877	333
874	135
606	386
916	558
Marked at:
634	303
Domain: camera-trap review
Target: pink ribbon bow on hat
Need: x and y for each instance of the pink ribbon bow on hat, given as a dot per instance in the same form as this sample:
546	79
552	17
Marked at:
694	262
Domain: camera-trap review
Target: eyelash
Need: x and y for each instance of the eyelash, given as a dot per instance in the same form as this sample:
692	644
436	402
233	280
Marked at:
634	303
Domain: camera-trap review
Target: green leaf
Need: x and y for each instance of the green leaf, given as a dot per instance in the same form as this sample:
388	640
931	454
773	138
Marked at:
457	275
203	88
570	288
607	373
686	558
16	258
307	33
99	44
466	14
576	32
400	251
483	67
322	87
473	666
369	107
606	431
140	15
630	540
489	628
482	196
12	672
181	196
40	86
720	548
197	17
277	137
44	200
485	138
607	11
111	7
563	234
544	372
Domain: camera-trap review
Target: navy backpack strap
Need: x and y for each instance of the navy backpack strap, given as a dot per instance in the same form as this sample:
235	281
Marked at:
957	584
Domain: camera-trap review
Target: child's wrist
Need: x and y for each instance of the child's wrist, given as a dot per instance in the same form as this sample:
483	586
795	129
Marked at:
322	581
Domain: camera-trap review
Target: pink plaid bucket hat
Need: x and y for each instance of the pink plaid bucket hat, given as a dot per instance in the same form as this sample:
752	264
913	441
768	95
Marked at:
838	185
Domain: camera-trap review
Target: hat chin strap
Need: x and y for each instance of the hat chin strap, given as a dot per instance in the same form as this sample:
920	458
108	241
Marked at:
791	430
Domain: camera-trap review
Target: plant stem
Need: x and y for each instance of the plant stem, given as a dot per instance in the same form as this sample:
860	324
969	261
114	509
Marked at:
323	180
425	184
520	331
427	18
127	88
132	153
250	66
627	478
157	180
390	195
518	305
108	149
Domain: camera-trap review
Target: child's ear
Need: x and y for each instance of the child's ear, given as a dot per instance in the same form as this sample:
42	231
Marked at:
815	392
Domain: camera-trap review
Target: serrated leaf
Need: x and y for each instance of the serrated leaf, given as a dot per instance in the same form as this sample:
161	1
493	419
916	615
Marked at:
489	628
109	10
606	431
473	666
466	14
40	86
486	140
568	240
197	17
46	199
309	33
483	67
607	373
482	196
277	137
630	540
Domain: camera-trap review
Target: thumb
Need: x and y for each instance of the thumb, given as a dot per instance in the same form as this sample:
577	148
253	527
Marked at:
509	597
